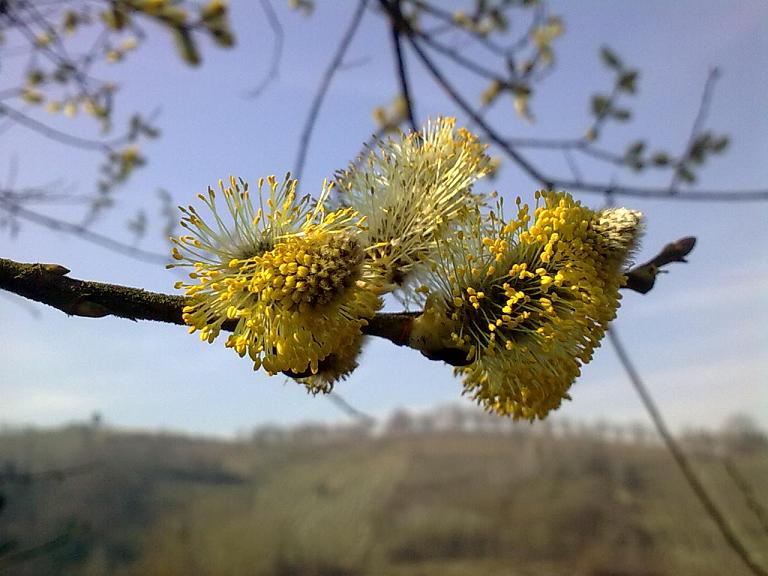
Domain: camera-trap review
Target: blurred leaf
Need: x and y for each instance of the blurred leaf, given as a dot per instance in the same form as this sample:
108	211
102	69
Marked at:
621	114
500	20
213	10
304	6
522	99
35	77
636	148
492	92
70	20
32	96
138	225
521	107
610	58
698	150
685	174
214	18
544	35
170	15
186	46
660	159
720	144
64	72
600	105
222	36
628	81
546	55
115	18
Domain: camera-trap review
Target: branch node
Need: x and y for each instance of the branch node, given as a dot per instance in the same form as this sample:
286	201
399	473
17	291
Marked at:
88	308
642	278
54	269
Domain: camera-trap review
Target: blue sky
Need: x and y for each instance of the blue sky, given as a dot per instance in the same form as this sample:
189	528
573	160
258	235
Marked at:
699	339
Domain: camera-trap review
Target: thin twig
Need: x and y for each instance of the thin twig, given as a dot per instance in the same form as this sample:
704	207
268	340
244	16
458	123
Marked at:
448	18
572	165
51	223
747	492
552	182
277	49
348	409
402	74
698	123
458	58
658	193
325	83
53	134
694	482
496	138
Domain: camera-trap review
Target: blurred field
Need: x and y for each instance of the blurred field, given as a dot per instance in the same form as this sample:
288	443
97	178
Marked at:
447	498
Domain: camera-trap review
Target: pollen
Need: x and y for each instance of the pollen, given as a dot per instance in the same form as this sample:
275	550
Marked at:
549	286
290	278
410	188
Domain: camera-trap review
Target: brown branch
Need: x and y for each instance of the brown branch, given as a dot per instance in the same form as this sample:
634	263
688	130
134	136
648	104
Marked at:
402	74
50	284
642	278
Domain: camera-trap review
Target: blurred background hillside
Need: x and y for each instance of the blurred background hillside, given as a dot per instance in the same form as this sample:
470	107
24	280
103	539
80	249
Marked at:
452	492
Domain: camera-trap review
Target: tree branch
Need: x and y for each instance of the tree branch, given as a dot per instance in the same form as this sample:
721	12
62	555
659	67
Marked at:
698	123
402	74
509	146
642	278
15	209
49	284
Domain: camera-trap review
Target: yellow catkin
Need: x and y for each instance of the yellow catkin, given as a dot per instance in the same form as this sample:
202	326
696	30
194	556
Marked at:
410	188
550	286
288	279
